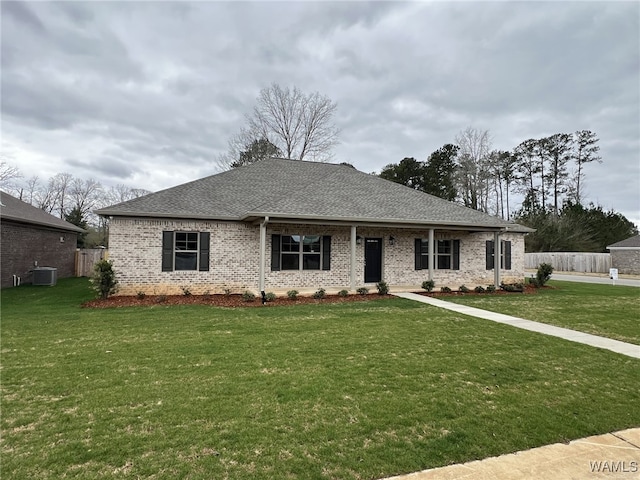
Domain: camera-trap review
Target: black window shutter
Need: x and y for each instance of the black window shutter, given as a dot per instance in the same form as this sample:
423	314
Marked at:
489	254
456	255
167	251
326	252
275	253
507	255
204	251
418	248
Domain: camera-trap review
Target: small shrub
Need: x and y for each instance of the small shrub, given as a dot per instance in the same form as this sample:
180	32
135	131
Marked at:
362	290
319	294
445	290
383	288
491	288
343	293
428	285
104	280
270	296
185	291
247	296
479	289
206	294
292	294
227	292
512	287
543	274
463	289
162	298
141	295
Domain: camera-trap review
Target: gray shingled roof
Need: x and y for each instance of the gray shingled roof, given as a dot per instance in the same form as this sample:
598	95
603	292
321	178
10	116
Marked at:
19	211
633	242
294	189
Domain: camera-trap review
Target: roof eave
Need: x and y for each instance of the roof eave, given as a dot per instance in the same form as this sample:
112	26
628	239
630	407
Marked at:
72	228
180	216
386	222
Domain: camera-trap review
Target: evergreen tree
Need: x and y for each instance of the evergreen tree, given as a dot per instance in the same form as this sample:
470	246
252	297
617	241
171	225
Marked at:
76	217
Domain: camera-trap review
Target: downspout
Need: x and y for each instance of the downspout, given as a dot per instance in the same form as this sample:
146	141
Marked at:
497	253
352	270
263	253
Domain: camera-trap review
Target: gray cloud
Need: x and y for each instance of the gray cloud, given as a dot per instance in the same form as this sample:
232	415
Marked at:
150	92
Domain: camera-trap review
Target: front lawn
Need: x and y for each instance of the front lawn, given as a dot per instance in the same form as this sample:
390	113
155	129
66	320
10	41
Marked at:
605	310
359	390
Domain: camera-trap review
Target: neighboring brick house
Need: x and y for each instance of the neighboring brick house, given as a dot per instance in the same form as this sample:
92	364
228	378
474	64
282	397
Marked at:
282	224
625	255
30	236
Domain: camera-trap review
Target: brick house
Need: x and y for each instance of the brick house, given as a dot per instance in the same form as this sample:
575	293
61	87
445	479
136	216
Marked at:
31	237
625	255
282	224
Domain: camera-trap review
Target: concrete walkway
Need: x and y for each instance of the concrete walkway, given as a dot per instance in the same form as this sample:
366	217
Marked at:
611	456
571	335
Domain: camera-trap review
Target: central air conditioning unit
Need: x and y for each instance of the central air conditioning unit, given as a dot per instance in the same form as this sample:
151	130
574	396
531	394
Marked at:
45	276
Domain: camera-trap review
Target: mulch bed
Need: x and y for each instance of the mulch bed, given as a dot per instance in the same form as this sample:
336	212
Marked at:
221	300
233	301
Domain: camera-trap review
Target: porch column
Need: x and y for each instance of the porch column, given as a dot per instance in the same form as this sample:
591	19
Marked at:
352	271
496	259
431	253
263	251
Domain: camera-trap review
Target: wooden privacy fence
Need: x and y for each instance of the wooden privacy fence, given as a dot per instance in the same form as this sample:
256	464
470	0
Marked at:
570	261
86	258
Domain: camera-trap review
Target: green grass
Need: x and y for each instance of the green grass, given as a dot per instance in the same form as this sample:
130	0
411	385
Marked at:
357	390
605	310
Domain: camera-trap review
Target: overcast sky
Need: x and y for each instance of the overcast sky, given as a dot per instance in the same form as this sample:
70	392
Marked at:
149	93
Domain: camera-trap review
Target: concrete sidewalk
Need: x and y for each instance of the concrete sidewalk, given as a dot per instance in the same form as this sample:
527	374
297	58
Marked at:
610	456
565	333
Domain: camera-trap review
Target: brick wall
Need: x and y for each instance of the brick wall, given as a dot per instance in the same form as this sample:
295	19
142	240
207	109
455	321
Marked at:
135	247
23	245
626	261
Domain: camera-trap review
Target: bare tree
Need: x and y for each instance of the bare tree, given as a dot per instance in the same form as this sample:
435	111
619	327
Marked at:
120	193
8	173
85	196
298	125
29	192
473	167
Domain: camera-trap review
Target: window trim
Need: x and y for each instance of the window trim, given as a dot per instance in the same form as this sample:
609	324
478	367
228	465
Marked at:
505	254
169	251
422	258
277	253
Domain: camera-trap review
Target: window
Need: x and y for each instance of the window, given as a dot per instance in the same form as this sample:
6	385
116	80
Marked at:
185	251
505	255
445	257
422	254
300	252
